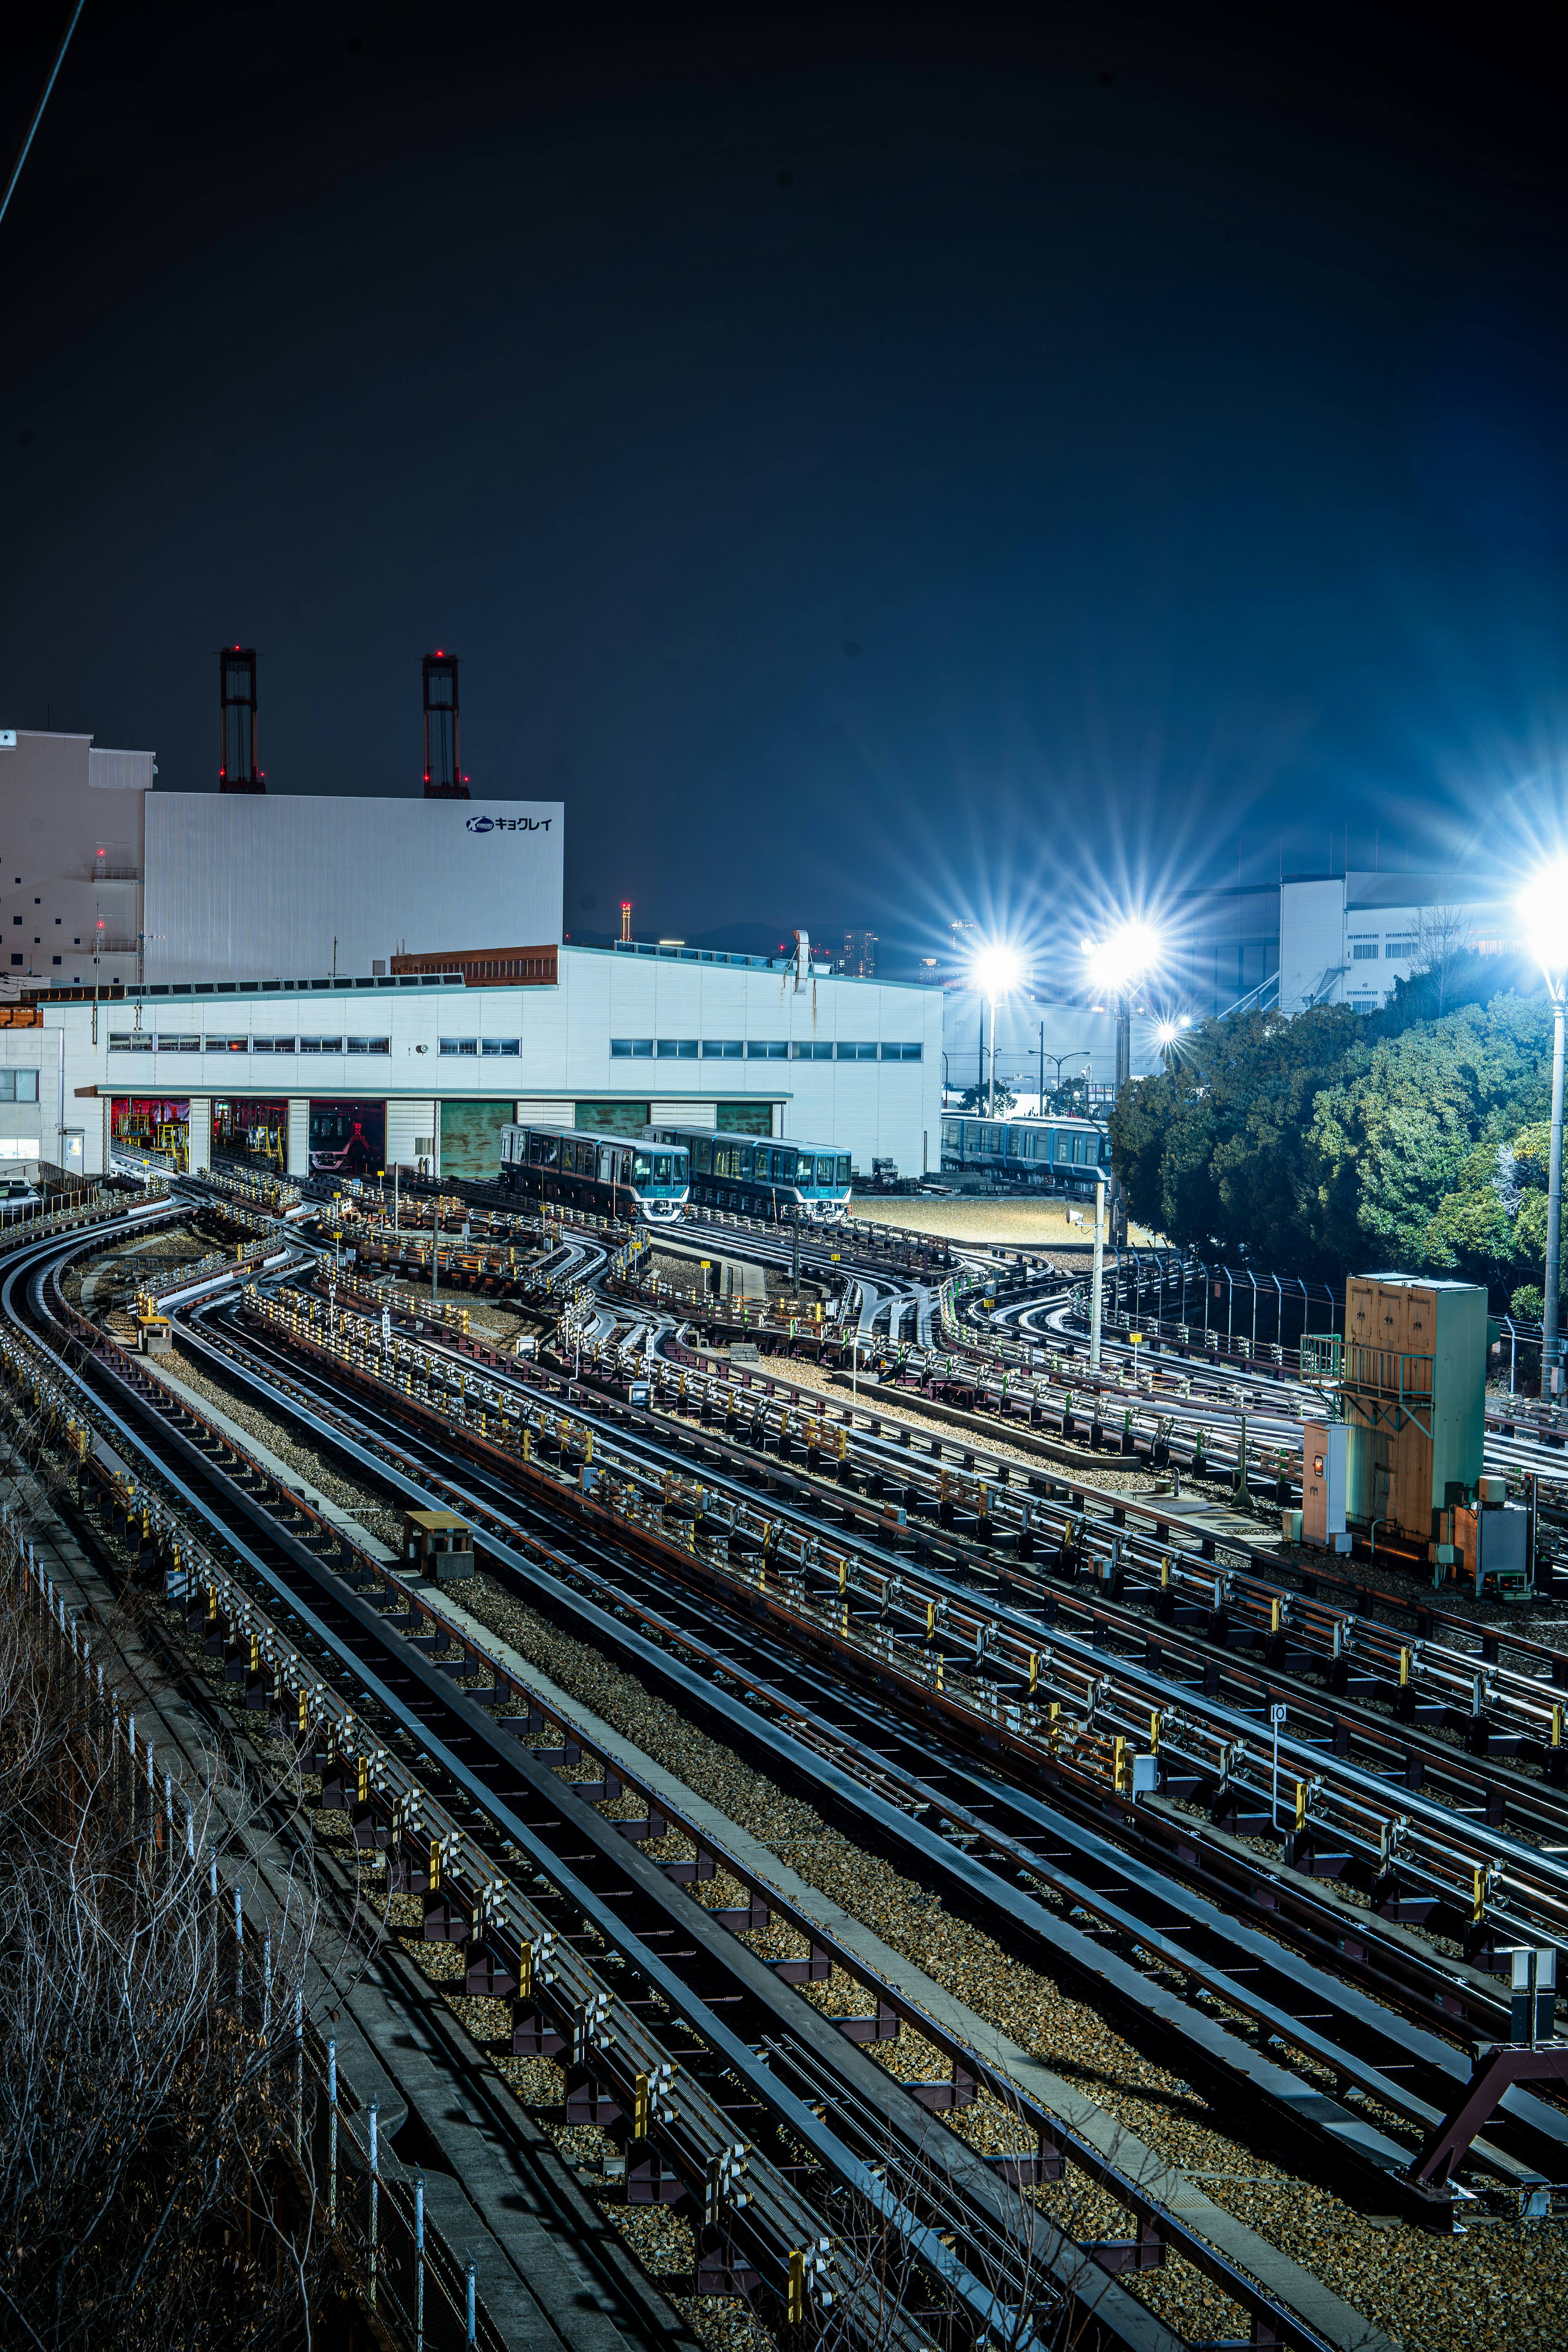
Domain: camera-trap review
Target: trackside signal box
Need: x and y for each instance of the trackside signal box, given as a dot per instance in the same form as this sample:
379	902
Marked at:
438	1544
1324	1449
1412	1390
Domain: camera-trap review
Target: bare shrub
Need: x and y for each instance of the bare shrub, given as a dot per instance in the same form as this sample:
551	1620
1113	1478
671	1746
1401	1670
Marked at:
154	2164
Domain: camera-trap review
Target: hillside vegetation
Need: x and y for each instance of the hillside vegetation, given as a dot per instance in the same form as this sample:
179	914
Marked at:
1333	1142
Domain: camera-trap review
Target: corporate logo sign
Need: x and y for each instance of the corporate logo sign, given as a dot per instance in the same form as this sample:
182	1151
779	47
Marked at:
509	823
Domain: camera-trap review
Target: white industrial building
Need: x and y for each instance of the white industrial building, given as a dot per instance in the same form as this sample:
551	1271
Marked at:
411	1068
108	879
1346	939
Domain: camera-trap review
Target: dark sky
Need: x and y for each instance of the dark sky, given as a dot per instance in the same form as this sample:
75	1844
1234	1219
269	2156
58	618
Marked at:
875	468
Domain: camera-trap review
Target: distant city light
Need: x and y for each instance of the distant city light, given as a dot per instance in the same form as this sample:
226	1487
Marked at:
996	969
1543	909
1124	956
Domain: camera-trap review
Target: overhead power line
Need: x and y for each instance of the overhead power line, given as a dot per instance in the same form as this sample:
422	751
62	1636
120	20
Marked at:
33	129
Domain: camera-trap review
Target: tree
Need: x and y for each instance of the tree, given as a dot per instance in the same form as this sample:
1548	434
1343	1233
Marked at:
979	1099
1214	1152
1442	941
1330	1142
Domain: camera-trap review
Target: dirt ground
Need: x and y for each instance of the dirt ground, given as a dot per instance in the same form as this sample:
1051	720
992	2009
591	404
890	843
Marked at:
1018	1224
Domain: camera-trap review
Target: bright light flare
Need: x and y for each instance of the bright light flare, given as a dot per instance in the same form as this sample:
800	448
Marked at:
996	969
1124	956
1543	911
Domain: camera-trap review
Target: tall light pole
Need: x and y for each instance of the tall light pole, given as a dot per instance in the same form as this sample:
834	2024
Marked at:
997	970
1551	1344
1117	964
1545	908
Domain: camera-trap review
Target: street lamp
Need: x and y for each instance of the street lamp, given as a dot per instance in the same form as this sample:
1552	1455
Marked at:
1543	906
1169	1032
997	970
1115	964
1058	1060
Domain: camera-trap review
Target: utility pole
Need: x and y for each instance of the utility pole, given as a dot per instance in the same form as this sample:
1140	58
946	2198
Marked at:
1098	1271
1551	1341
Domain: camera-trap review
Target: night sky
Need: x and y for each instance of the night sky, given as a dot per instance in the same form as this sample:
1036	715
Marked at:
876	469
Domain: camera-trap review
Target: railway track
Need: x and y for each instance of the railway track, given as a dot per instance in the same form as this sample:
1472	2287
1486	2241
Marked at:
1119	1920
720	1572
306	1642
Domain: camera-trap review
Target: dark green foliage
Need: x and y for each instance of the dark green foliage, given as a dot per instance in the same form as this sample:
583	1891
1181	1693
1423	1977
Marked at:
1331	1143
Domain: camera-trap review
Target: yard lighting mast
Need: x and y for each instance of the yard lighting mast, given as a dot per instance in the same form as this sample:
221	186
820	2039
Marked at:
1544	908
1117	964
997	970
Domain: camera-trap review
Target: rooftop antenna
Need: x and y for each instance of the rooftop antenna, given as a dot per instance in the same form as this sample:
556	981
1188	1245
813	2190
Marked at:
626	922
238	769
444	777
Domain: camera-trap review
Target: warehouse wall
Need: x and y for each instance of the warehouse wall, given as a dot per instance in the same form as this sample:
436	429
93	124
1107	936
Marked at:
242	887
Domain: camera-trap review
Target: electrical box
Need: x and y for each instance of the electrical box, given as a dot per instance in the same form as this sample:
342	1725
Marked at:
438	1544
1493	1541
154	1336
1324	1447
1412	1388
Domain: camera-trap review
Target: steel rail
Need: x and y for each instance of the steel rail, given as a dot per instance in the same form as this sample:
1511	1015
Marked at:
592	2015
1180	1960
1013	1675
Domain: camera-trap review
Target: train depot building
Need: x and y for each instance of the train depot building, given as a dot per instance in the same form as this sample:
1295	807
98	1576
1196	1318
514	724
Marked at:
424	1068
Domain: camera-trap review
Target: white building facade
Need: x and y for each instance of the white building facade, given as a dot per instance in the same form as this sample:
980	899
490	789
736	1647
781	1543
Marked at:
1348	939
409	1068
107	880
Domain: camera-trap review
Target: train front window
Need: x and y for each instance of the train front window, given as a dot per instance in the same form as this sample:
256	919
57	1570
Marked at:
844	1168
642	1168
661	1167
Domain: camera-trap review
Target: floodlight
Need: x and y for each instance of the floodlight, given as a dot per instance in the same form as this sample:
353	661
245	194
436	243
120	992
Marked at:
996	969
1543	909
1124	956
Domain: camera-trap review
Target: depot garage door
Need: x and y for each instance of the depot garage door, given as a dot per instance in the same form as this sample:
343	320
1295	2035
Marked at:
471	1138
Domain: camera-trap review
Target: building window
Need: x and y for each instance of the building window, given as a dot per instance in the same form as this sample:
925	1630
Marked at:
229	1044
854	1053
369	1044
811	1052
678	1049
129	1041
1364	953
902	1053
56	959
512	1045
178	1045
460	1046
767	1049
722	1049
326	1045
18	1086
272	1044
631	1049
1399	947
